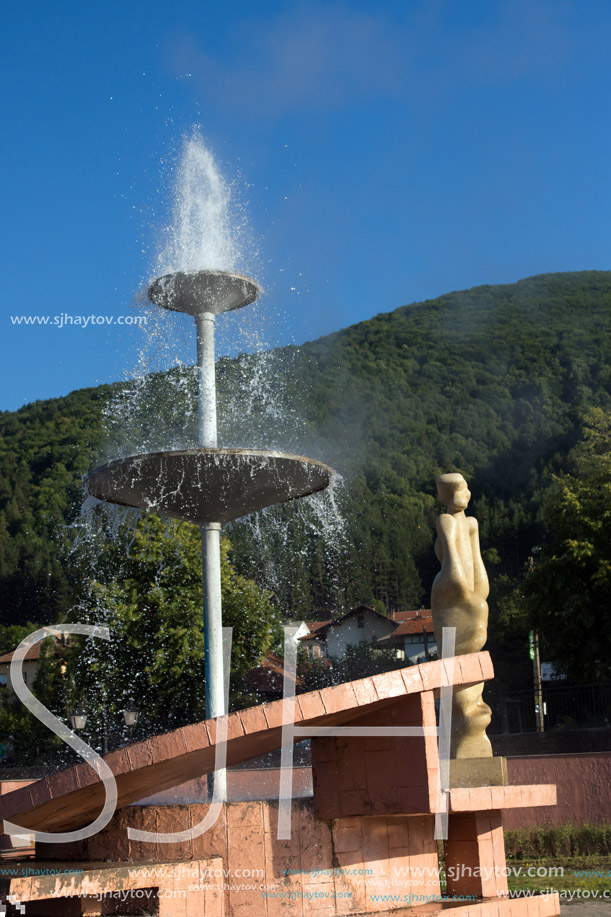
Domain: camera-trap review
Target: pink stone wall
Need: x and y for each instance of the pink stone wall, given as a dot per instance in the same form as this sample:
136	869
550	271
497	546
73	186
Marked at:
7	842
325	868
242	786
583	784
385	775
7	786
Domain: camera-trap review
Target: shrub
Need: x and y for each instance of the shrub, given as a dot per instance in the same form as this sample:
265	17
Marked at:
559	841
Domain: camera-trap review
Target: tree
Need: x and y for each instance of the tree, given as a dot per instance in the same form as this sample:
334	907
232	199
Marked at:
151	599
567	592
358	662
11	635
33	741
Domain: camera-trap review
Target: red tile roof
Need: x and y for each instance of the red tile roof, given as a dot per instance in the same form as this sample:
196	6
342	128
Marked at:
321	627
407	622
413	622
32	654
269	676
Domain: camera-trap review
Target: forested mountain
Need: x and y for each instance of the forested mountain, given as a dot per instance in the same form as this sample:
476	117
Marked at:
493	382
45	449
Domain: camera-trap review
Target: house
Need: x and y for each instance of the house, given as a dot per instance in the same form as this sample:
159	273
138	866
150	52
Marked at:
313	641
362	624
30	669
29	666
413	637
302	629
409	633
268	677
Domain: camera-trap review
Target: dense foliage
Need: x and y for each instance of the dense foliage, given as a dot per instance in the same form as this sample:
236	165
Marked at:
45	448
358	661
567	591
148	591
494	382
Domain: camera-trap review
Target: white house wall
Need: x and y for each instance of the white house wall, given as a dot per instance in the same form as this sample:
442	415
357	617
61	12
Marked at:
347	632
416	652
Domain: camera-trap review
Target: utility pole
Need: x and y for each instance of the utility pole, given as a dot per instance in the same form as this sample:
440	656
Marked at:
533	647
533	652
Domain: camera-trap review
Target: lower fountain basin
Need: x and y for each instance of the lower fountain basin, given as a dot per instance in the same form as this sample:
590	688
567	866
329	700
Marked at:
207	485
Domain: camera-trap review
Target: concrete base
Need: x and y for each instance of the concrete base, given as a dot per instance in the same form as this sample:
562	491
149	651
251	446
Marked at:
162	888
478	772
198	888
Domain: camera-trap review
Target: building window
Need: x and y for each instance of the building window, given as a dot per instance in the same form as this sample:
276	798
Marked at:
361	619
374	638
414	638
3	679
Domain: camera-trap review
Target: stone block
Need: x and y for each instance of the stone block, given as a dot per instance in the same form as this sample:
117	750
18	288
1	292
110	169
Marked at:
475	855
140	755
432	675
195	737
311	705
252	720
466	772
273	713
338	698
347	836
244	813
412	679
365	691
389	684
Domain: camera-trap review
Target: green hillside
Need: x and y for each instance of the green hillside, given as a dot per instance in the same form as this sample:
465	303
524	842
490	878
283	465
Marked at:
492	381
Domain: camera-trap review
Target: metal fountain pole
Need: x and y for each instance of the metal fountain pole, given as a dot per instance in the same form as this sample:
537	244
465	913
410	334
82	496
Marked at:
211	541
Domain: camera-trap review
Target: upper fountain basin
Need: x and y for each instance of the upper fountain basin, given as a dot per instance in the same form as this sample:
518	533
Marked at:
195	292
207	485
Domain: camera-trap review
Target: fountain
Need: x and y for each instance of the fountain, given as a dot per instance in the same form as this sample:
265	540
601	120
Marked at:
207	486
378	793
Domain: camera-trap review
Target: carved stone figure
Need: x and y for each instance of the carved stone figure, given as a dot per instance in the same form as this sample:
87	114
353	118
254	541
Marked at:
458	599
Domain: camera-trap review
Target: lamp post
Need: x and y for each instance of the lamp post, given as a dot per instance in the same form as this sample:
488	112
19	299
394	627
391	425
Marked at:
130	716
78	719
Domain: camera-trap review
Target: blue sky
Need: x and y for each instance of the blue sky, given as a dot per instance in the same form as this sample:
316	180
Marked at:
388	152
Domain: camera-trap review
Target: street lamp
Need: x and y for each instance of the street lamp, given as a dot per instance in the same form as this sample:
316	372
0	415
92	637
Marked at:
78	719
131	713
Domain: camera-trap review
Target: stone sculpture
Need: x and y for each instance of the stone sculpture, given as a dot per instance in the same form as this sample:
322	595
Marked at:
458	599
